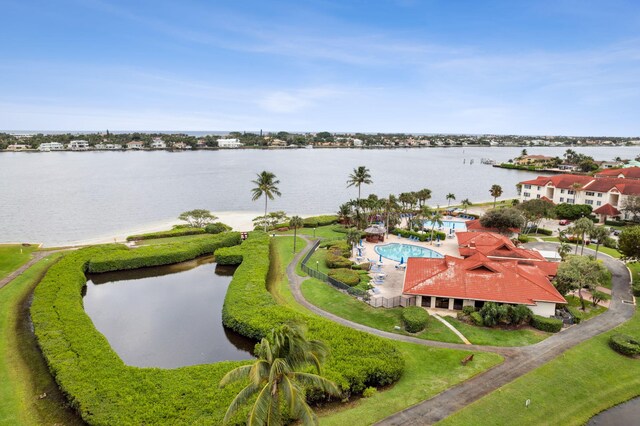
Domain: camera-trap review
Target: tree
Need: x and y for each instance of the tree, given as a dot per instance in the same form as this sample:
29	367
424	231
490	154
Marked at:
278	377
535	210
502	219
582	227
271	220
465	204
267	186
423	196
344	213
450	196
572	211
564	249
295	222
495	191
359	177
436	219
353	237
579	272
599	234
631	204
629	243
523	153
198	218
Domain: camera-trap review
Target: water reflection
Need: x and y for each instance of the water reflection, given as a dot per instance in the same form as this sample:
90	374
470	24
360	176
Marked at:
168	316
624	414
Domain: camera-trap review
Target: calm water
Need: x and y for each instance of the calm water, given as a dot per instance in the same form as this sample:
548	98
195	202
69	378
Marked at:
624	414
60	197
168	316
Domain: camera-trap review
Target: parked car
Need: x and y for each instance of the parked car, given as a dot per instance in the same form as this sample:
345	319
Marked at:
564	222
616	232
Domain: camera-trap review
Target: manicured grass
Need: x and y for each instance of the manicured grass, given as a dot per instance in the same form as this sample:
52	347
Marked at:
317	261
325	232
331	300
580	383
497	336
277	281
635	270
428	371
591	311
168	240
12	256
602	249
24	375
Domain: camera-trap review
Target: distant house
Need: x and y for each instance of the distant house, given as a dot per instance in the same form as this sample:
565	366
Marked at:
17	147
78	145
533	160
108	146
158	144
357	142
229	143
181	145
50	146
135	145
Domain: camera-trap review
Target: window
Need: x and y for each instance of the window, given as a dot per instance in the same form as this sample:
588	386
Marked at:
562	199
538	188
570	192
457	304
442	302
426	301
598	203
599	194
589	202
570	201
527	194
590	194
562	191
538	196
527	187
479	304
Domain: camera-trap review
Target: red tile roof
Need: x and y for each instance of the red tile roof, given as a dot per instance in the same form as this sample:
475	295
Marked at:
564	181
479	278
623	186
628	173
493	245
607	210
605	182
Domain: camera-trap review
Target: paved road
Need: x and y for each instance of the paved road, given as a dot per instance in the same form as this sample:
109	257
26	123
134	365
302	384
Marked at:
518	360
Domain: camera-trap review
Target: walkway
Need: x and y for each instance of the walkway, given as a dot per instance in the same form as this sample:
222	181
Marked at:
37	256
452	328
518	360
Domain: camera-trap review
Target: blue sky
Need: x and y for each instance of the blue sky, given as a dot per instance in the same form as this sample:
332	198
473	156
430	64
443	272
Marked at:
507	67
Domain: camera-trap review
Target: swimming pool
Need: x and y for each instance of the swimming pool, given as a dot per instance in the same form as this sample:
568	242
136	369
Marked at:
451	224
396	251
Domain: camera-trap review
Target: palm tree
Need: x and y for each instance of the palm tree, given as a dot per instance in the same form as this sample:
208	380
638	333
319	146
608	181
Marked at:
266	184
277	377
582	227
436	219
359	176
450	196
423	195
344	213
495	191
465	204
424	213
598	233
295	222
564	249
353	237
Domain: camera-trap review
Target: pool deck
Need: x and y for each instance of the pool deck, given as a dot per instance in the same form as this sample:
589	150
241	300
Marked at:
394	278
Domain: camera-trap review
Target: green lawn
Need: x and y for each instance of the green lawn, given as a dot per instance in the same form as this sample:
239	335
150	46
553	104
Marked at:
331	300
24	376
580	383
428	371
156	241
635	270
497	336
602	249
325	232
591	311
12	256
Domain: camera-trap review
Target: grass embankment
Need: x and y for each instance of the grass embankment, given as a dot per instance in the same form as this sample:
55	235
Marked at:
428	371
326	232
497	336
24	376
13	256
580	383
169	240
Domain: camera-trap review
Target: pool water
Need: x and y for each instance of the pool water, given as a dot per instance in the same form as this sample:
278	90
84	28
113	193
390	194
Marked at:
396	251
451	224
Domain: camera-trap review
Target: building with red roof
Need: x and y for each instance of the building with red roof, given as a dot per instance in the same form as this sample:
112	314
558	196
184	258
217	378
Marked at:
451	283
610	187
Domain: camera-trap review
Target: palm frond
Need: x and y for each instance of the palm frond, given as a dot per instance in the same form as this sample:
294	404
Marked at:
317	382
242	397
235	375
260	412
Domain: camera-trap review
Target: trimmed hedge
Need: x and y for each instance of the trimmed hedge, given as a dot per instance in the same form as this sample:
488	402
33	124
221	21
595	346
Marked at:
161	254
105	391
228	255
176	232
415	319
346	276
333	260
551	325
624	344
635	287
476	318
422	237
316	221
217	228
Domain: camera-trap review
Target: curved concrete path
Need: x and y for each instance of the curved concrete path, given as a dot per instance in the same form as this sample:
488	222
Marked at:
518	360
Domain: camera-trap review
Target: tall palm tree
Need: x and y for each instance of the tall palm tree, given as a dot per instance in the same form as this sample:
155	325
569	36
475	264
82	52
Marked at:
450	196
598	233
582	226
277	377
266	184
465	204
436	219
295	222
423	195
495	191
424	213
359	176
344	213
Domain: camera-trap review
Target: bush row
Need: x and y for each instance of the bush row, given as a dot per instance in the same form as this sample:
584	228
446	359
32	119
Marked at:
217	228
537	230
97	383
315	221
161	254
342	247
414	318
177	232
635	287
334	260
551	325
357	360
346	276
421	236
624	344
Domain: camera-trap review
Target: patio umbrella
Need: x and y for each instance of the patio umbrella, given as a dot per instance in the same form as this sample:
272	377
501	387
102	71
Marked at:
402	260
380	258
360	252
437	238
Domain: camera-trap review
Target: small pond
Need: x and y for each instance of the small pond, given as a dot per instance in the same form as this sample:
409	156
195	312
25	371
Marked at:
167	316
624	414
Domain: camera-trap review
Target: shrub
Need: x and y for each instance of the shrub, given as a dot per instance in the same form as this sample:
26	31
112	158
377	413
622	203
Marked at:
369	392
551	325
421	236
176	232
490	314
624	344
468	310
228	255
315	221
346	276
615	223
523	238
415	319
476	318
544	231
339	247
572	211
216	228
520	314
610	243
577	314
636	288
334	261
